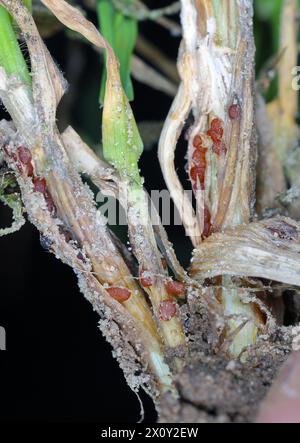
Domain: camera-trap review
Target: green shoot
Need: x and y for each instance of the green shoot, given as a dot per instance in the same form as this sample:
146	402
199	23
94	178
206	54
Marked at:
121	33
122	144
11	57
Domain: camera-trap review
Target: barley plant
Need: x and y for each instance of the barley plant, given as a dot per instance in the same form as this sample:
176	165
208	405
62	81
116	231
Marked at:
205	341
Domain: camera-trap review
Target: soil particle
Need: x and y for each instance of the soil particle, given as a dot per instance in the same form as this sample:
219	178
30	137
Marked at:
211	390
216	389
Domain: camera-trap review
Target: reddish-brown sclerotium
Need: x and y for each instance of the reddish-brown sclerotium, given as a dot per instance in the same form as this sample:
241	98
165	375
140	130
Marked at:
175	288
234	111
167	309
198	157
197	171
39	185
216	130
145	279
219	148
215	135
29	169
25	158
216	124
197	141
22	159
207	228
119	294
24	155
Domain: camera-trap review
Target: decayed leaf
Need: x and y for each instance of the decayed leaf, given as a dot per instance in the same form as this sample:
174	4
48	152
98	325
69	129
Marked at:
267	249
166	151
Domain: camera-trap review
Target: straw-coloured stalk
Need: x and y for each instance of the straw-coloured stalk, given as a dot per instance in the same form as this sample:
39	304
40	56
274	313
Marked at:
122	147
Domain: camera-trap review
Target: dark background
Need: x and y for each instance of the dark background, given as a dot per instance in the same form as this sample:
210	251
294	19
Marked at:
57	367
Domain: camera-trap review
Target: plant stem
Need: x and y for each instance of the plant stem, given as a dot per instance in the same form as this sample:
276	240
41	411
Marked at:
219	47
229	18
122	147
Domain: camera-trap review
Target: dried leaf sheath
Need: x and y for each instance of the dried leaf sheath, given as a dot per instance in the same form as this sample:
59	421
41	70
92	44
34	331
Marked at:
268	249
